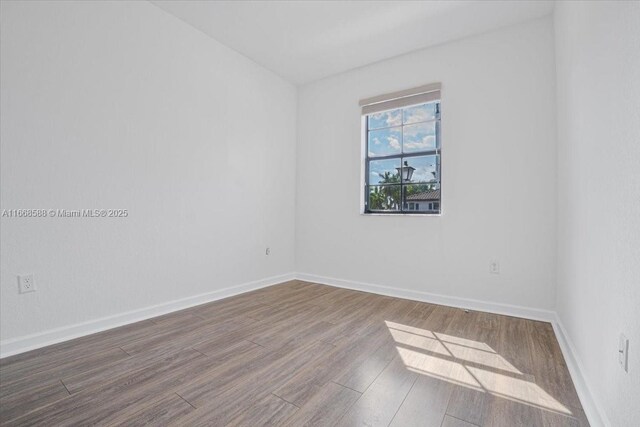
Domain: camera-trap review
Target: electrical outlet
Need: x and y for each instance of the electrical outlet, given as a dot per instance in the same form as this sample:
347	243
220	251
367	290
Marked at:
494	267
26	283
623	352
267	251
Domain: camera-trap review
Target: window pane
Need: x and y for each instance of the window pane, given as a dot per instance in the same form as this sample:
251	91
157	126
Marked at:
384	171
385	119
384	198
423	198
419	137
385	141
419	113
426	168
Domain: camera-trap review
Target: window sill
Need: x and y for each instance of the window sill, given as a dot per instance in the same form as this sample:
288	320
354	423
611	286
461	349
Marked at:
401	214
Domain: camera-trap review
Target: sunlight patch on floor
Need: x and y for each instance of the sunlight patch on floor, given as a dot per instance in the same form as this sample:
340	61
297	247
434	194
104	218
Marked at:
418	341
517	389
481	357
468	363
437	367
462	342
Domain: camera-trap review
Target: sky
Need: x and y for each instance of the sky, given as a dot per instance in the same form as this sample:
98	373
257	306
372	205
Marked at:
425	168
403	131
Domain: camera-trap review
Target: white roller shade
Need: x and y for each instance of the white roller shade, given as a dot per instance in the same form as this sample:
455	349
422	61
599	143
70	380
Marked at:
403	98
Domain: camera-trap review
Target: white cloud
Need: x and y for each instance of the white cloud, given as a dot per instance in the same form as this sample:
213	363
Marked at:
420	129
393	142
386	119
424	173
418	116
394	119
426	142
419	113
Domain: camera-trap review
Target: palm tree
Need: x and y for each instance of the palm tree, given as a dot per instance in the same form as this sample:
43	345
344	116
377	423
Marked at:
390	194
376	199
389	197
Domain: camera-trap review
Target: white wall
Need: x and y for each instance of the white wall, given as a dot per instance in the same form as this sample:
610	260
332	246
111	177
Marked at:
120	105
498	168
598	69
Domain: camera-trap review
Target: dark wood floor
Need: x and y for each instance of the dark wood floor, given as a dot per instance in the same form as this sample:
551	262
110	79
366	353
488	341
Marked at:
299	354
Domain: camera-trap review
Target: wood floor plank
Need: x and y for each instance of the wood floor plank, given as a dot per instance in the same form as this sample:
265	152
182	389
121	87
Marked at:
286	331
296	335
513	343
222	405
197	330
399	310
548	365
177	318
117	395
299	353
354	318
508	413
16	404
44	386
22	378
43	368
326	408
468	404
262	367
76	347
450	421
301	387
425	405
268	411
473	345
164	411
209	384
219	341
360	377
420	312
339	296
103	374
577	418
224	309
379	404
225	351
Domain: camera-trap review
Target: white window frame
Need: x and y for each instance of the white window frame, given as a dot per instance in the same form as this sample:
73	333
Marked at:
401	99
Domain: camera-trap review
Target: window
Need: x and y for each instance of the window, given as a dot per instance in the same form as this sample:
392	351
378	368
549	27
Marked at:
402	153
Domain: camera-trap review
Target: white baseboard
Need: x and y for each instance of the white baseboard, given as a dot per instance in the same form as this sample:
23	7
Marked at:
471	304
53	336
594	412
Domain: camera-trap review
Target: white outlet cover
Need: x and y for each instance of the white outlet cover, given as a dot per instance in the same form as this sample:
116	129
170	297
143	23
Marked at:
494	267
26	283
623	352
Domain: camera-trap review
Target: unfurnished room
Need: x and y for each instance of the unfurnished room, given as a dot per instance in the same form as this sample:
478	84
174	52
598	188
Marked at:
320	213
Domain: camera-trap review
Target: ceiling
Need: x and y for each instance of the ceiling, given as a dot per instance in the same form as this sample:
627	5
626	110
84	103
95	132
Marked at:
304	41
